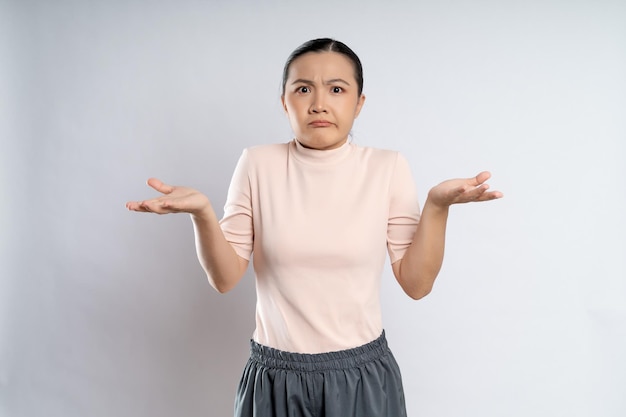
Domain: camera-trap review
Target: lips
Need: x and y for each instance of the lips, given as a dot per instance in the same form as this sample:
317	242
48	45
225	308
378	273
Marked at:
320	123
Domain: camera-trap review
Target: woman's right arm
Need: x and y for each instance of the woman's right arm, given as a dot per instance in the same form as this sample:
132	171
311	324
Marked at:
224	268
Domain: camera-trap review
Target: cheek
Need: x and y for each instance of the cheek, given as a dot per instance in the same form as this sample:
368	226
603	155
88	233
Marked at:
294	114
292	107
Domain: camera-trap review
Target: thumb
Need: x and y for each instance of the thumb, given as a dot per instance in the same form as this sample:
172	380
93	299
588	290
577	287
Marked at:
160	186
480	178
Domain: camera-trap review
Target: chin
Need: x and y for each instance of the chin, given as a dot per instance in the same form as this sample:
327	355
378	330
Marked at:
321	143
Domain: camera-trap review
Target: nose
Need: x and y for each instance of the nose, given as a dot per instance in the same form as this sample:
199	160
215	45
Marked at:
317	104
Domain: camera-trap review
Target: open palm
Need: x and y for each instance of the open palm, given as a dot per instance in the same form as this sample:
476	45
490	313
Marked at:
463	190
175	199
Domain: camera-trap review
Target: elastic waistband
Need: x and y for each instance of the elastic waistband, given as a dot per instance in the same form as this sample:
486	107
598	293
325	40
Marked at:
307	362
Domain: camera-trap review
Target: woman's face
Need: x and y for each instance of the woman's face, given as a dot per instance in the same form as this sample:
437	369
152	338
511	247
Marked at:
322	99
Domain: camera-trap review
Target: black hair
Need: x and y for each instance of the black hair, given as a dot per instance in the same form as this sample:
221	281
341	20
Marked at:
326	45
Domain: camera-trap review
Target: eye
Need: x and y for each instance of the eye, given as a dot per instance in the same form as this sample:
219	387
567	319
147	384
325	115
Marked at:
304	89
337	90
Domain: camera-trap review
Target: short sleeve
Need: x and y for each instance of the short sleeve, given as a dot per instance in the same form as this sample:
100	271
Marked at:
237	224
404	210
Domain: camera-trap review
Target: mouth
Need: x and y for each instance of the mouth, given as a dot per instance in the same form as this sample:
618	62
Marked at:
320	123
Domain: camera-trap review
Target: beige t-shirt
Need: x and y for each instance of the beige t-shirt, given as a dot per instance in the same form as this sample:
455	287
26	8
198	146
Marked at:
319	224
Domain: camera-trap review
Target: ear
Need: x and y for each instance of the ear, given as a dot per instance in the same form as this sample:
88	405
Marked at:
282	100
359	106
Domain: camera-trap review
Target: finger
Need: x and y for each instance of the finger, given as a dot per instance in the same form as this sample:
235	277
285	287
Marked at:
476	193
470	194
146	207
160	186
134	206
160	206
480	178
492	195
153	206
489	195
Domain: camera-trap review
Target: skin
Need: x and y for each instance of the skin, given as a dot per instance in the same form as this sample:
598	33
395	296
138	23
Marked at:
224	268
321	101
417	270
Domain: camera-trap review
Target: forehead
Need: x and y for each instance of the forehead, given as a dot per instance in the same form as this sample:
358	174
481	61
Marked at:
321	65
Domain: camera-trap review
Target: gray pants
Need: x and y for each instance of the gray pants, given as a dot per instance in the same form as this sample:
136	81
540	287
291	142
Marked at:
360	382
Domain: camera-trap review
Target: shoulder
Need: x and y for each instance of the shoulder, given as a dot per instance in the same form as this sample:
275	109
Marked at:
268	151
261	155
391	165
378	156
263	158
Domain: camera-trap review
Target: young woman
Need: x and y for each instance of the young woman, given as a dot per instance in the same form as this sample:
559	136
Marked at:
319	213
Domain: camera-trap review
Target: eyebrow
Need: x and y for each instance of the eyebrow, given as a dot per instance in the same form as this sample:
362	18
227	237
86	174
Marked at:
331	81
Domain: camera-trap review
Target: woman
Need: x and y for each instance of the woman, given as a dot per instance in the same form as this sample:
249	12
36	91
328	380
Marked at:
318	213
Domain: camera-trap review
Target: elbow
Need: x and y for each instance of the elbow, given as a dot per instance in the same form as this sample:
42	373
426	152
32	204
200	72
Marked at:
418	287
221	286
222	289
419	293
416	281
225	279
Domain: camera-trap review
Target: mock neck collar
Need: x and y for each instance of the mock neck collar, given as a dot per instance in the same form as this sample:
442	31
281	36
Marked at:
318	156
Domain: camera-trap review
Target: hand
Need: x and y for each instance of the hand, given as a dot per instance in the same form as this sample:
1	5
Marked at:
463	191
175	200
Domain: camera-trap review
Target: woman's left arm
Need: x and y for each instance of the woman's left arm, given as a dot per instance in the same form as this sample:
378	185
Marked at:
418	268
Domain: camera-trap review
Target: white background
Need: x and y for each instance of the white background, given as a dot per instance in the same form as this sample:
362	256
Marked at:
104	312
